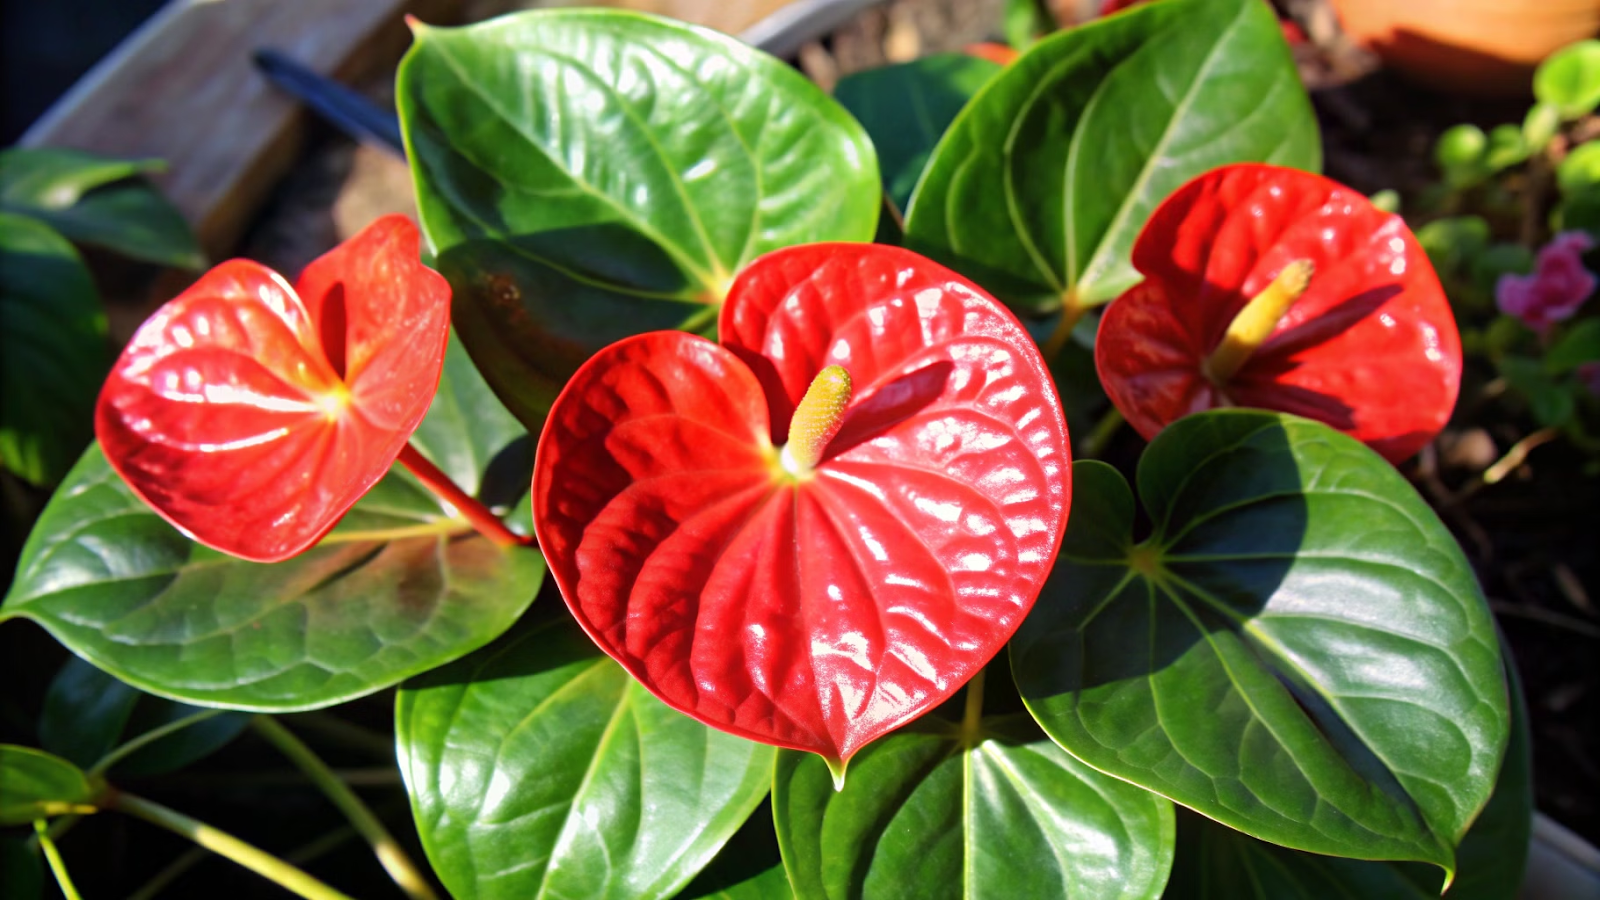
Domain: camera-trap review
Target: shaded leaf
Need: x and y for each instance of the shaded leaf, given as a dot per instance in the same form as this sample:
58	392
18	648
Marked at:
927	814
584	175
907	107
537	767
21	870
1576	345
1217	862
1299	650
1044	179
97	200
84	713
53	351
88	712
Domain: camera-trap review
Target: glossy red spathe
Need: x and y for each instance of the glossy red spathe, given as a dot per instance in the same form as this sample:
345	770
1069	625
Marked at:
812	611
252	415
1370	348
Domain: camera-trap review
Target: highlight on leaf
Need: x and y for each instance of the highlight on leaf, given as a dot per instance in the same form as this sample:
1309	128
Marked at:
251	414
813	609
1279	289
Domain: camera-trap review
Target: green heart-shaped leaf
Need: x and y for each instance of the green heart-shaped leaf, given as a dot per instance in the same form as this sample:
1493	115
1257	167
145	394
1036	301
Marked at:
584	175
906	109
36	785
927	813
1299	650
53	351
538	767
97	200
1042	182
398	587
1216	861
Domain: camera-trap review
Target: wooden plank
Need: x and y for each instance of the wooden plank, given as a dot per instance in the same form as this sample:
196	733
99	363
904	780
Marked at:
183	89
730	16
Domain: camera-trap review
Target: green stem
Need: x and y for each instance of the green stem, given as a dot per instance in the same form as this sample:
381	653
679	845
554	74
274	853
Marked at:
223	844
180	866
153	888
972	717
346	734
1101	434
390	854
58	867
1071	312
118	754
434	479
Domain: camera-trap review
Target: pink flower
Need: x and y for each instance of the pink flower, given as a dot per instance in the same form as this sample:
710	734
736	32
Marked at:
1558	286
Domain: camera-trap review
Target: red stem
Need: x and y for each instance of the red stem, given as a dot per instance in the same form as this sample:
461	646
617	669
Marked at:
487	523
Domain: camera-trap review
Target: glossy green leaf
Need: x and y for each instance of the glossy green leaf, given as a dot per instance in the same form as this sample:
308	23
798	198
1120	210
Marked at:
1217	863
1569	79
583	175
1041	184
53	351
98	200
36	785
771	883
1299	650
537	767
768	883
748	867
398	587
925	814
907	107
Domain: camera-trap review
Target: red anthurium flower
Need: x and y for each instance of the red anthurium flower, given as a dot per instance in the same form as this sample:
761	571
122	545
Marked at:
822	527
1275	288
252	415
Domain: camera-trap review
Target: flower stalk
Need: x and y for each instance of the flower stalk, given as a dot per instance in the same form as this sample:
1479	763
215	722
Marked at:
224	844
485	522
390	854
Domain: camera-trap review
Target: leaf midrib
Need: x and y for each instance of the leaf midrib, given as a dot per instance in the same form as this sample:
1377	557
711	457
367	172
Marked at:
705	277
1196	85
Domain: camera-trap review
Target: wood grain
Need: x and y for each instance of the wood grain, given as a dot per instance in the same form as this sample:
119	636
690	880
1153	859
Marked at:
183	89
